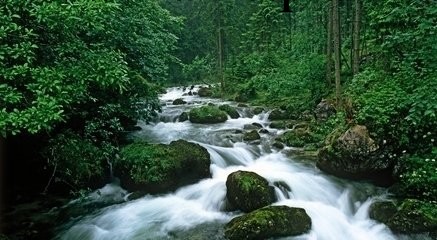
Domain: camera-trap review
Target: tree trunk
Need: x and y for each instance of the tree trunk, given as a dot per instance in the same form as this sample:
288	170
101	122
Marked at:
329	45
337	59
356	36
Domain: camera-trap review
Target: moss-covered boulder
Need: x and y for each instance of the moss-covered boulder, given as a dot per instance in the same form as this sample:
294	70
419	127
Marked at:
355	155
257	110
282	124
248	191
156	168
407	216
277	114
298	137
251	136
231	111
207	114
269	222
204	92
179	101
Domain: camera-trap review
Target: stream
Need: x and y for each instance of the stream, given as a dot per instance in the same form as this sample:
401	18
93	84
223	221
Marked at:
338	208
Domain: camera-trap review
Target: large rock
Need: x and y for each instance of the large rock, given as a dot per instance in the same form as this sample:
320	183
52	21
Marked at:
324	110
355	155
248	191
407	216
204	92
231	111
269	222
156	168
179	101
251	136
277	114
207	114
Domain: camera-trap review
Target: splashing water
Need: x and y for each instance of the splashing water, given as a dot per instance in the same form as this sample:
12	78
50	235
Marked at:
338	209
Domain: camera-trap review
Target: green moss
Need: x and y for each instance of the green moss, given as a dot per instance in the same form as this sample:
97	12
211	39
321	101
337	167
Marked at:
406	216
268	222
231	111
207	114
299	137
161	167
248	191
251	136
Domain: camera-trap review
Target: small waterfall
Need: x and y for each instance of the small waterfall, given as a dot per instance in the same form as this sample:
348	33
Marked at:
338	208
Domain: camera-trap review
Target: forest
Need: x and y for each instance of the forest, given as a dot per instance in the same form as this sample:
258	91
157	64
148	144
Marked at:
351	83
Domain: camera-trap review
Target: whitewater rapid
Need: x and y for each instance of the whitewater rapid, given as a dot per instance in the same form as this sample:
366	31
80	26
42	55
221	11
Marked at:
338	208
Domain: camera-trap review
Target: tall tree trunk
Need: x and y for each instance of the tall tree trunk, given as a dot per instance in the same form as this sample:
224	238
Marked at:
220	59
356	36
329	45
337	59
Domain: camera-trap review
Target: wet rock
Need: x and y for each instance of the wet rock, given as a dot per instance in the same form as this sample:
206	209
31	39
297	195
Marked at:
157	168
238	131
242	105
277	114
278	145
207	114
190	93
204	92
407	216
269	222
258	125
257	110
355	155
324	110
231	111
179	101
251	136
248	191
263	130
183	117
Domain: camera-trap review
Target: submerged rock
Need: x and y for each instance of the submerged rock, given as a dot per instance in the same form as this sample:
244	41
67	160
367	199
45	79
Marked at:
156	168
207	114
248	191
179	101
354	155
407	216
183	117
251	136
269	222
231	111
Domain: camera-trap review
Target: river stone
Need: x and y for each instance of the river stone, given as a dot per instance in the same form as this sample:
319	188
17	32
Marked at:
277	114
248	191
204	92
407	216
157	168
263	130
231	111
183	117
269	222
179	101
207	114
251	136
257	110
355	155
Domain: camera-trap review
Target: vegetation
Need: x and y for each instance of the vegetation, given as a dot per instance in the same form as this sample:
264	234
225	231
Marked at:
159	167
207	114
271	221
75	74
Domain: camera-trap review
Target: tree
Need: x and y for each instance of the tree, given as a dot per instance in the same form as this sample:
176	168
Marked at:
337	49
356	37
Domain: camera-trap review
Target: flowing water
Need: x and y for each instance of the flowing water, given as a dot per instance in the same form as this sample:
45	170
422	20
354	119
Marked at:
338	208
